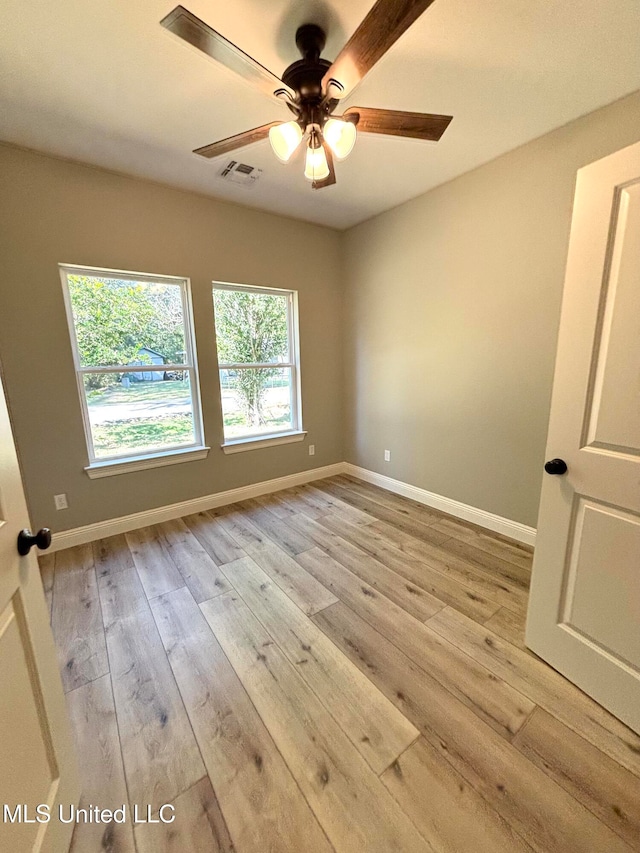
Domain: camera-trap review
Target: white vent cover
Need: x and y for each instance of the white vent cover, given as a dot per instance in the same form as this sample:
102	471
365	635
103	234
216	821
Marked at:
240	173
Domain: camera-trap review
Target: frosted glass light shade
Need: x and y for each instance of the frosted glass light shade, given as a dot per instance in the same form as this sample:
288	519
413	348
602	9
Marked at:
340	136
316	167
284	139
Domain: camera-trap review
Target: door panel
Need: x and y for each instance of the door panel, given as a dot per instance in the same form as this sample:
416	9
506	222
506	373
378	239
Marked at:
615	404
584	605
596	603
25	744
37	764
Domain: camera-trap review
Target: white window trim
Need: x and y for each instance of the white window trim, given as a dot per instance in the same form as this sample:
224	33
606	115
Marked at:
256	442
150	460
118	464
240	443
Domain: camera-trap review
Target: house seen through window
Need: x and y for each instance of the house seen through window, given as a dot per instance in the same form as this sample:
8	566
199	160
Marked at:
135	362
256	331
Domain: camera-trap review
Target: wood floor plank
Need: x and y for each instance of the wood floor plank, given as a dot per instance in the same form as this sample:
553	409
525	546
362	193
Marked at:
542	685
410	597
415	512
276	529
494	701
47	564
448	811
76	619
324	496
509	625
112	555
507	592
121	595
608	790
215	540
415	569
198	826
372	724
119	586
490	562
408	507
277	504
242	530
201	574
298	500
95	734
161	757
421	529
351	803
514	552
539	810
261	803
303	589
314	504
156	569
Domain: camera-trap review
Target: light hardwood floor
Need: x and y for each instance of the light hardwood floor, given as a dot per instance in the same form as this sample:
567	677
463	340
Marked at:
329	668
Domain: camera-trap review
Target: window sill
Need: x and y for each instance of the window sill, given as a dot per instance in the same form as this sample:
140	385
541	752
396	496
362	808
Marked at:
242	444
139	463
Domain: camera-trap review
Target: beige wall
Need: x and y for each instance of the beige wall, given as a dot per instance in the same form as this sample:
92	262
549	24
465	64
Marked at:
52	211
452	315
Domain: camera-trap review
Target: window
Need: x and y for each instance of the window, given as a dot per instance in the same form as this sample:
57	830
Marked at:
256	331
135	362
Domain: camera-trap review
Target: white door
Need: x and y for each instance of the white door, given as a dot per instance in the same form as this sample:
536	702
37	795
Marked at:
37	765
584	609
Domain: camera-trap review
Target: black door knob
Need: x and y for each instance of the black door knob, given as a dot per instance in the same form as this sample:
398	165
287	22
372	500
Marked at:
26	540
555	466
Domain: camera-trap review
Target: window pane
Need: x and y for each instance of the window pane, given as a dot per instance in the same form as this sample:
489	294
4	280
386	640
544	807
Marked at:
256	401
132	415
127	322
251	328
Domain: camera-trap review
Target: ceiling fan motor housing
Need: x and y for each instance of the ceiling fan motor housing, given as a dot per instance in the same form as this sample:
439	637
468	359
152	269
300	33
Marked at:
305	75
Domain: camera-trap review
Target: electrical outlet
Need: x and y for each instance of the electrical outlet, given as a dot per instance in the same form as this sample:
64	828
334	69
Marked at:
312	450
387	456
60	501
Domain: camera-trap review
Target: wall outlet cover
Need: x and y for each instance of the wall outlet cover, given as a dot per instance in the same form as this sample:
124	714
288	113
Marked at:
312	450
60	501
387	456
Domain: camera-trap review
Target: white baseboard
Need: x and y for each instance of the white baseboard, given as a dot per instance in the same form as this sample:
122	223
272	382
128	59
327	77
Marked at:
512	529
92	532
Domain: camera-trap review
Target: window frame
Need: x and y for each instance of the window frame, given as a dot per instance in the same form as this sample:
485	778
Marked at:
121	463
291	433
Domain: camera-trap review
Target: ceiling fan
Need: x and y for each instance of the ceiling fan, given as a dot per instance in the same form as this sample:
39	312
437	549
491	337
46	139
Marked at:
312	88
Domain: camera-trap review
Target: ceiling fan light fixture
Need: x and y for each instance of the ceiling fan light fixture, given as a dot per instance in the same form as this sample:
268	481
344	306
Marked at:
340	136
316	166
313	86
284	139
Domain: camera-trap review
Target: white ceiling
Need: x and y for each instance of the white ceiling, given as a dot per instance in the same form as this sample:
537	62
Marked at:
100	81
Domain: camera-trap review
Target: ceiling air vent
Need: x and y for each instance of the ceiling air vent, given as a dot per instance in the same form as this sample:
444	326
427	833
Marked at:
240	173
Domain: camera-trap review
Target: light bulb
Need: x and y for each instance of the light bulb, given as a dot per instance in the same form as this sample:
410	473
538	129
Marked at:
340	136
284	139
316	168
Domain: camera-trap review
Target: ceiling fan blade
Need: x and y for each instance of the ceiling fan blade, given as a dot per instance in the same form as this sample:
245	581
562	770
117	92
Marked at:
187	26
223	146
398	123
383	26
331	177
